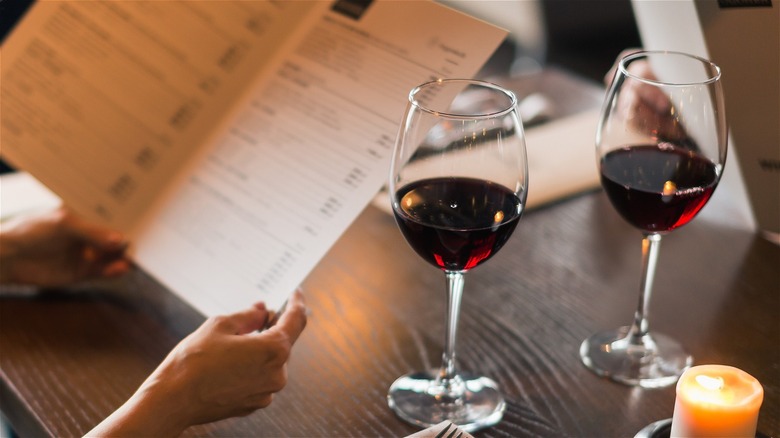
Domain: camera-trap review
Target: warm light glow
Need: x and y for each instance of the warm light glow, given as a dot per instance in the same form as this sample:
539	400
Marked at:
498	217
708	382
711	390
716	401
669	188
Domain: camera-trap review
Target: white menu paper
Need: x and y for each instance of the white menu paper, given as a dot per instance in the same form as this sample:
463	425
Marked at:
234	142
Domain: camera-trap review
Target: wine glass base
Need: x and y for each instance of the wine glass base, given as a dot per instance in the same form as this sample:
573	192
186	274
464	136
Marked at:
656	362
471	402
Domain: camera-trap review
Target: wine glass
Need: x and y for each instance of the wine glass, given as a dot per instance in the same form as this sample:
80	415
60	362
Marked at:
661	147
458	185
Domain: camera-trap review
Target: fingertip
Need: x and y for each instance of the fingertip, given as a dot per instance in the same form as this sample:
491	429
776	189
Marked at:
109	241
116	240
298	298
117	268
102	237
294	318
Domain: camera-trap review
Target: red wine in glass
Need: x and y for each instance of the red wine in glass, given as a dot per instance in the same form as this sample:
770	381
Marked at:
456	223
657	188
661	145
456	204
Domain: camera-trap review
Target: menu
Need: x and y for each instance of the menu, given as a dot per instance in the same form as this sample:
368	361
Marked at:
234	142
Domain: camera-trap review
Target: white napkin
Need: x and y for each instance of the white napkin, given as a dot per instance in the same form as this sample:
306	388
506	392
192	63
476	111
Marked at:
445	429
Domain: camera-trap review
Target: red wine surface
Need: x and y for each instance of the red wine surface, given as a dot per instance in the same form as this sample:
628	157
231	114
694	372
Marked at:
456	223
657	188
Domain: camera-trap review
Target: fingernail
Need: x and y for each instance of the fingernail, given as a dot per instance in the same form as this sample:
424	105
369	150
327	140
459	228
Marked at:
116	269
117	240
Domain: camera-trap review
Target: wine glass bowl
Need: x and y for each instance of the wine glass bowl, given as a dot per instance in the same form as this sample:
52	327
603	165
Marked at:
661	148
458	185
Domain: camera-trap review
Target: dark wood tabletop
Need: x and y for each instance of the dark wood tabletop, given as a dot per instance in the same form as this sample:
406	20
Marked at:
69	358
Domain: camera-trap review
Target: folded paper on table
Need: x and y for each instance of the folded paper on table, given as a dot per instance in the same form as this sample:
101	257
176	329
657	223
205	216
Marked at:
561	160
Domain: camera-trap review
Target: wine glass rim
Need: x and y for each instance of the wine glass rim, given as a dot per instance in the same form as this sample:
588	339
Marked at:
647	53
455	115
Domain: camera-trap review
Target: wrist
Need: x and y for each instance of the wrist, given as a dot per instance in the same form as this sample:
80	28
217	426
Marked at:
153	410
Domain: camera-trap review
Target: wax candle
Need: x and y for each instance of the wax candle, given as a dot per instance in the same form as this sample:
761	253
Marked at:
716	401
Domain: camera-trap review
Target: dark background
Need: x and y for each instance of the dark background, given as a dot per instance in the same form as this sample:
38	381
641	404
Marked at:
586	36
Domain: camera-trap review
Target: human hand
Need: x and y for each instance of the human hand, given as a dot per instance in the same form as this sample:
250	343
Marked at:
226	368
646	105
57	248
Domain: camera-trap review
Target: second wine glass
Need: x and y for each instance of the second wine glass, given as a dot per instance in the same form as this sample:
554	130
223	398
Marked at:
661	148
458	186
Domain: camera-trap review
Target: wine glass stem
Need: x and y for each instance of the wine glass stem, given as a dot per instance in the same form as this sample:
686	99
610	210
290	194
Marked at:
651	243
454	295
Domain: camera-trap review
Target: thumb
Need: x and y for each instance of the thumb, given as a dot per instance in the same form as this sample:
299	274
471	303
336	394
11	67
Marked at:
293	320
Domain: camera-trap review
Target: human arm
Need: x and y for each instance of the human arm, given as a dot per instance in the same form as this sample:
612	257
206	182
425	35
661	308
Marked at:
226	368
57	248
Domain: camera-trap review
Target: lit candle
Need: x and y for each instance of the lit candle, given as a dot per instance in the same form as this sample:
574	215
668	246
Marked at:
716	401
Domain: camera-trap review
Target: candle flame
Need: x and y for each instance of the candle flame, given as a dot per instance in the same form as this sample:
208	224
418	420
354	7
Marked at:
711	383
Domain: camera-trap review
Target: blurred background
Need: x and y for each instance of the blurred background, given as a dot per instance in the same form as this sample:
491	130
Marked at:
582	36
587	36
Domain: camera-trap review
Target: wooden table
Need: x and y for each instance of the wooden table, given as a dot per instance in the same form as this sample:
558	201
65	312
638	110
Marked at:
68	359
